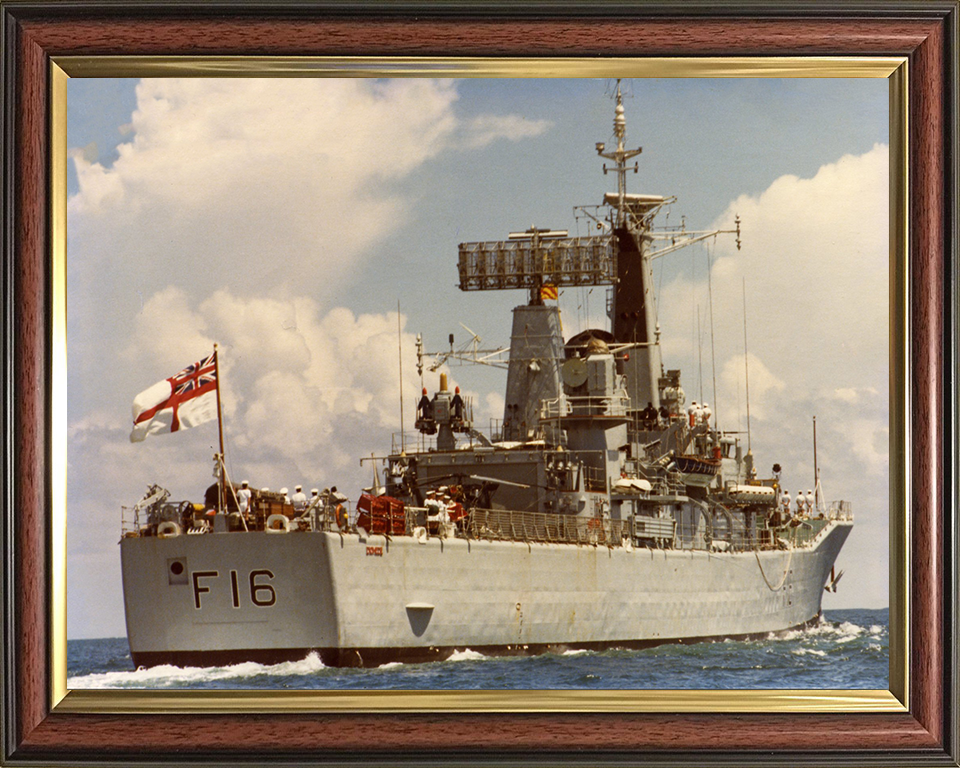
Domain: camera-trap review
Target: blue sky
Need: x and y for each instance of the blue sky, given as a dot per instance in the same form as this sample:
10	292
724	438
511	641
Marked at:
225	210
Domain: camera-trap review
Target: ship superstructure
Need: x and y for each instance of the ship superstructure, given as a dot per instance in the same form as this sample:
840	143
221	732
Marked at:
601	511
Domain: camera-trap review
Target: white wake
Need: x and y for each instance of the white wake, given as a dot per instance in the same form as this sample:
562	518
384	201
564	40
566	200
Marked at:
169	676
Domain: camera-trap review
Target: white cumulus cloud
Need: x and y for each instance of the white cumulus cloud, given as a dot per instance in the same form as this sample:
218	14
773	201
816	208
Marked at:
254	181
486	129
814	265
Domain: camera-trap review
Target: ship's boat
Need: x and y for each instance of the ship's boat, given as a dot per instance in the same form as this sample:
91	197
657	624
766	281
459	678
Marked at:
697	470
597	513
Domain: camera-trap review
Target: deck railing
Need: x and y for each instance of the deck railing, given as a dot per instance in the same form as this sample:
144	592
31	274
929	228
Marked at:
129	520
507	525
561	407
512	525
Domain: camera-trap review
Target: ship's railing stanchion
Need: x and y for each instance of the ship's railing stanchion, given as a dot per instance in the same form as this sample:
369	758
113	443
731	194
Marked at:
840	510
128	525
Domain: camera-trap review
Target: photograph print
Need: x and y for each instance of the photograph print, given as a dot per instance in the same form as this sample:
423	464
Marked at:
520	383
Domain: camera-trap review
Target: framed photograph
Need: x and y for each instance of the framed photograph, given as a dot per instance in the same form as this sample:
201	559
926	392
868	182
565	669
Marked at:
417	133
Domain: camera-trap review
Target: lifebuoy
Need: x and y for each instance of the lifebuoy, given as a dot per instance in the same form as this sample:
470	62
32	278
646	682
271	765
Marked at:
340	515
168	530
420	534
273	519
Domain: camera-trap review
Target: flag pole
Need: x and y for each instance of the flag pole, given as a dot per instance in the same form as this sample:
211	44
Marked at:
223	468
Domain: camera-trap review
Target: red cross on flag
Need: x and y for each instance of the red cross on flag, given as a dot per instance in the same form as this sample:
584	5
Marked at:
184	400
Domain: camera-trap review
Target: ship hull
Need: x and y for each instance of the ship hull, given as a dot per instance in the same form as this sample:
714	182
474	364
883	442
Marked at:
366	600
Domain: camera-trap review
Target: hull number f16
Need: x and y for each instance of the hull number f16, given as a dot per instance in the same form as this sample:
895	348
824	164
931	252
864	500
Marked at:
261	594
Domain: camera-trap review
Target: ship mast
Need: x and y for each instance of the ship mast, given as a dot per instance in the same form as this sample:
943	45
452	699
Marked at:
544	261
403	447
816	468
221	475
620	155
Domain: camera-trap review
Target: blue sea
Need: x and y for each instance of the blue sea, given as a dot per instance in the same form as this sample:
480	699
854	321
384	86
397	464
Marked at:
846	650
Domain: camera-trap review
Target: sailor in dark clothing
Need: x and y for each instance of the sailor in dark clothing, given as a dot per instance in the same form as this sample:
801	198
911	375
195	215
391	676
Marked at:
425	420
424	408
649	416
664	413
211	497
457	404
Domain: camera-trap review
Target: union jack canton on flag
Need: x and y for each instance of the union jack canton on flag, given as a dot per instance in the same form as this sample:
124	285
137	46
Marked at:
185	400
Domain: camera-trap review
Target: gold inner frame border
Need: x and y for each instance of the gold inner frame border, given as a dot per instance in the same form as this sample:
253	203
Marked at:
895	699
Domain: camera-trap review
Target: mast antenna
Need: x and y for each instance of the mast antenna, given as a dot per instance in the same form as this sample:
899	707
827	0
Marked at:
746	363
620	155
816	469
699	355
400	356
713	356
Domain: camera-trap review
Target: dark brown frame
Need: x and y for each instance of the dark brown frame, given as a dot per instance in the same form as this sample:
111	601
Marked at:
924	32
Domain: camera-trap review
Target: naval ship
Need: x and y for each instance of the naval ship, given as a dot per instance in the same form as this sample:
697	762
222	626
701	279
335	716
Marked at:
603	511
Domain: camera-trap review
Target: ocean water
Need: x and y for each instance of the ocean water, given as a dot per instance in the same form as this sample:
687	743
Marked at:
846	650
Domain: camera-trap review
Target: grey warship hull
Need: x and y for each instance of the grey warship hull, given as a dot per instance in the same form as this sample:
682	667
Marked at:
360	600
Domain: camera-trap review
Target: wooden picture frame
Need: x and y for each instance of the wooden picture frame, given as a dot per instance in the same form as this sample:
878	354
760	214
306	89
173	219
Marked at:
36	731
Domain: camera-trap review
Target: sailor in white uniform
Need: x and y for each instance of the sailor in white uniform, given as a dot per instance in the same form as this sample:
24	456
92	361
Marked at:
299	500
705	413
785	502
432	503
243	497
801	503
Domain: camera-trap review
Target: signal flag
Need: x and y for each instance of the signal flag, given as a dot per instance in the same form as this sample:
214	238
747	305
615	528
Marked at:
548	291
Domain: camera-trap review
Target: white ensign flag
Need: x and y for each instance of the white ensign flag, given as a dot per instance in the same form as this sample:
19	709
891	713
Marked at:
185	400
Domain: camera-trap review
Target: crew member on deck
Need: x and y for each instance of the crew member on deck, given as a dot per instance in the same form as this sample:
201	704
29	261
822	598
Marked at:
457	404
785	502
424	410
211	497
649	416
243	497
299	500
705	413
